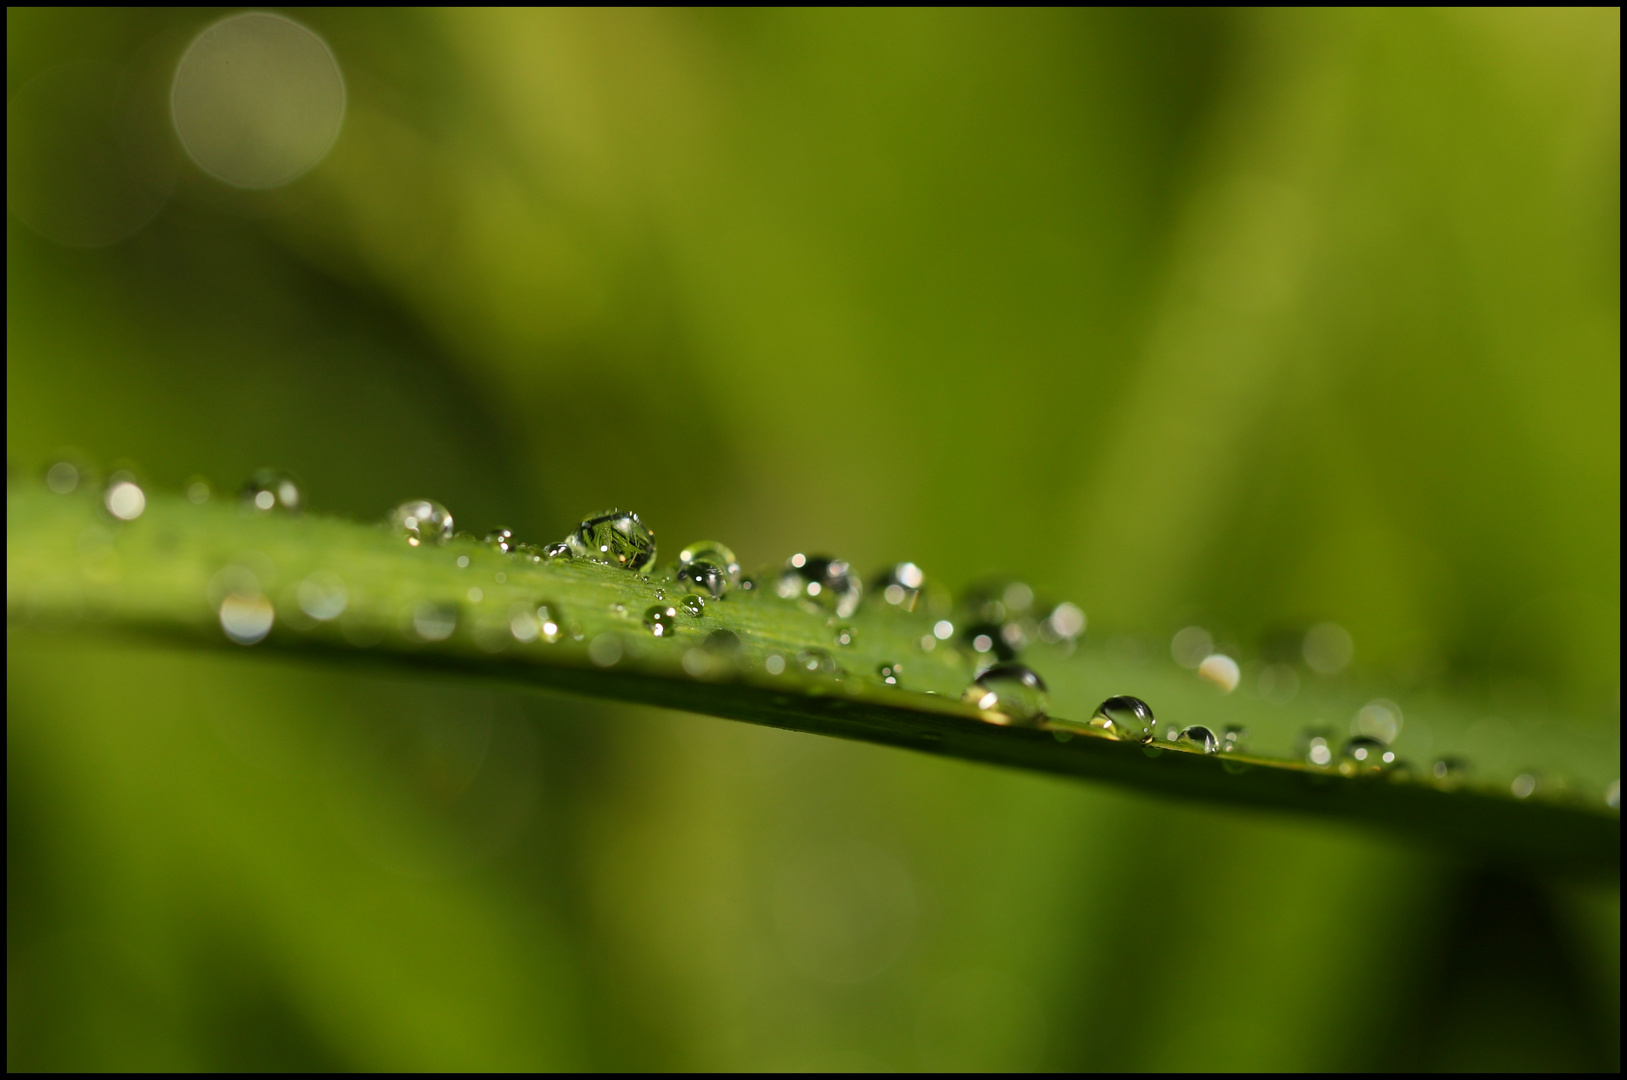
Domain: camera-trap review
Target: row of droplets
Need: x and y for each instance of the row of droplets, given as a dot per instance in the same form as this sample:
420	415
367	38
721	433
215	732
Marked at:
1000	621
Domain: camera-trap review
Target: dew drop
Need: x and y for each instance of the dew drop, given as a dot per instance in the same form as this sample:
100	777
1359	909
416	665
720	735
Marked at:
900	585
1198	737
844	636
1365	756
828	581
1013	690
422	521
890	673
1378	719
550	623
1233	739
434	620
693	604
1316	747
615	538
1128	719
501	539
124	498
722	641
709	565
661	620
322	596
273	490
557	550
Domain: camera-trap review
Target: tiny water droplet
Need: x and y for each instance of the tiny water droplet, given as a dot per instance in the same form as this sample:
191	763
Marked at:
1233	739
434	620
124	498
1315	745
828	581
660	594
709	565
501	539
900	585
1220	671
890	673
816	662
1365	756
1198	737
422	521
661	620
844	636
1012	689
722	641
1126	718
1449	770
557	550
615	538
693	604
273	490
323	596
618	608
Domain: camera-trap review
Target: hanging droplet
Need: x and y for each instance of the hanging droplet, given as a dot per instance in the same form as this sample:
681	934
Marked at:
1013	690
501	539
900	585
273	490
1128	719
693	604
615	538
828	581
709	565
1449	770
661	620
1198	737
422	521
890	673
844	636
1365	756
124	498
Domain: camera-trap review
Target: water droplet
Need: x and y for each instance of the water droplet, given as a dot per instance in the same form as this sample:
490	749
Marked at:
1365	756
722	641
1327	648
774	663
816	662
1191	646
124	498
273	489
63	476
615	538
1449	770
1011	689
661	620
1316	747
322	596
693	604
1378	719
900	585
605	650
890	673
434	620
1064	624
709	565
550	622
422	521
557	550
1198	737
1233	739
1220	671
1523	785
198	491
1126	718
844	636
828	581
501	539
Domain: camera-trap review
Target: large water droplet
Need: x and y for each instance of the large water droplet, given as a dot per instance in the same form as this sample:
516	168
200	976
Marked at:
1126	718
422	521
900	585
273	489
1198	737
661	620
124	498
709	565
1011	689
501	539
829	581
615	538
1365	756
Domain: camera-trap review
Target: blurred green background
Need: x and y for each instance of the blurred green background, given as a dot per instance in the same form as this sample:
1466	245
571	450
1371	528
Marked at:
1247	319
